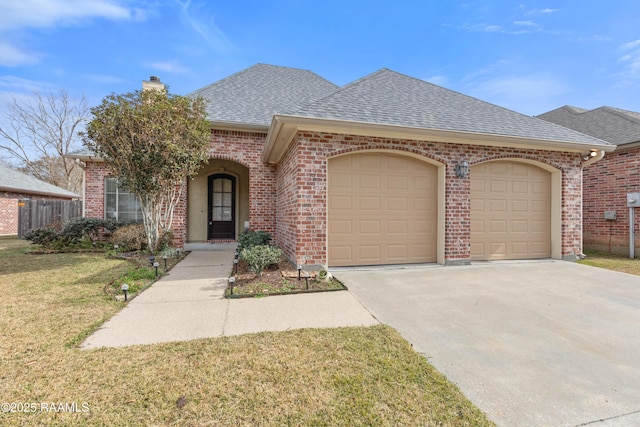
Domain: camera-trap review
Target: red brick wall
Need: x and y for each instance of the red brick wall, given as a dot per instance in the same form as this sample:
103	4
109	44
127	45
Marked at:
242	147
606	184
9	213
302	190
9	209
246	149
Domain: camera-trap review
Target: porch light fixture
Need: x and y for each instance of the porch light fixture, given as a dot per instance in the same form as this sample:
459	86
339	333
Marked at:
589	155
232	280
462	169
125	290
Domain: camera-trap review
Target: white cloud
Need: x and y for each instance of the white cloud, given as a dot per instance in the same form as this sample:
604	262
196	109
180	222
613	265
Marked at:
439	80
47	13
11	56
546	11
205	26
104	78
525	23
22	14
10	83
631	62
173	67
525	93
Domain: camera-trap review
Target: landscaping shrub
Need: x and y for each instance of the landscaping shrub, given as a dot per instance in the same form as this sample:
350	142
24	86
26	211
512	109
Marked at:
81	228
251	238
44	236
130	237
259	257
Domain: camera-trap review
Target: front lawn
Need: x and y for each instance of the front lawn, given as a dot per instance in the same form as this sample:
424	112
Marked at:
612	262
344	376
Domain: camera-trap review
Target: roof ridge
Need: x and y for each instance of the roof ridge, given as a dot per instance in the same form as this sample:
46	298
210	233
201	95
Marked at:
621	113
339	89
256	65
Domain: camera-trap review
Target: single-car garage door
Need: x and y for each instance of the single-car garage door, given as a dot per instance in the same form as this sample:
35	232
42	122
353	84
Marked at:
510	211
382	210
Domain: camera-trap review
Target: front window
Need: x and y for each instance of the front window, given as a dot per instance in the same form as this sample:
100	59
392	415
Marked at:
120	204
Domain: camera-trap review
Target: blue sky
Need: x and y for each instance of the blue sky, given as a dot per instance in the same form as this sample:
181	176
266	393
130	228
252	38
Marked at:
529	56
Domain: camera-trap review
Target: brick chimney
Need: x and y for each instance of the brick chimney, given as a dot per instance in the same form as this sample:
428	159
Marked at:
153	83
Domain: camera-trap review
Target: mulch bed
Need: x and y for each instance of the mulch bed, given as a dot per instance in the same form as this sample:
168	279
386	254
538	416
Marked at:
279	279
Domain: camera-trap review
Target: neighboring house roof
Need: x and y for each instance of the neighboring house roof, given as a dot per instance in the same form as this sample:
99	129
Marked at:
614	125
254	95
17	182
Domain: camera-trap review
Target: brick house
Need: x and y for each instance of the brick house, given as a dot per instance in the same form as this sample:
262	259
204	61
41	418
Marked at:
16	186
607	182
388	169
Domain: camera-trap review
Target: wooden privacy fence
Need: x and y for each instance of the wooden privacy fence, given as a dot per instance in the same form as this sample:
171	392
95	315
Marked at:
40	213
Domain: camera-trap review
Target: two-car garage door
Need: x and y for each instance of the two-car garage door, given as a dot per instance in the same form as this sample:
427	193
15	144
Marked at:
382	209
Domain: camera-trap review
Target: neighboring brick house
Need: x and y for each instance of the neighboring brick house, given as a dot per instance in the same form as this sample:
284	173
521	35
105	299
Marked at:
16	186
386	170
607	182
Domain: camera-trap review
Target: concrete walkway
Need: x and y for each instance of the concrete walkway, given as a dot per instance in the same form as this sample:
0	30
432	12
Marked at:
188	303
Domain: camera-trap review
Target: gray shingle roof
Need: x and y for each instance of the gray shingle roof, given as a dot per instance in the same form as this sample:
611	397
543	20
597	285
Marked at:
610	124
388	97
254	95
17	182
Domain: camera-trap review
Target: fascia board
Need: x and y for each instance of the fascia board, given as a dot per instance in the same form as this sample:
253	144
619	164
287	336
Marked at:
284	127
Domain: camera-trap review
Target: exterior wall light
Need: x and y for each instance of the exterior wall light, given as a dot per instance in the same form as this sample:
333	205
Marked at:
462	169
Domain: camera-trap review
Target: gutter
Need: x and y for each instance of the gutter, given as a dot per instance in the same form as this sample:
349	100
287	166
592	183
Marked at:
284	127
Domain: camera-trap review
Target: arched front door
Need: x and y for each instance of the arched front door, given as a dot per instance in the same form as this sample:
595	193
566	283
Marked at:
222	207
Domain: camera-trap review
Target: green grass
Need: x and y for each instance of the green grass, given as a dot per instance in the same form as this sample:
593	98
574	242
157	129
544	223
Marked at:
612	262
314	377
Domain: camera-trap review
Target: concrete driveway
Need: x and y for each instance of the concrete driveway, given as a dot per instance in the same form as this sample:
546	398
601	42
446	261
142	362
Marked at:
548	343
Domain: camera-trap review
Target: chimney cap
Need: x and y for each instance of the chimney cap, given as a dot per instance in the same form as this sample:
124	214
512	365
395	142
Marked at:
154	79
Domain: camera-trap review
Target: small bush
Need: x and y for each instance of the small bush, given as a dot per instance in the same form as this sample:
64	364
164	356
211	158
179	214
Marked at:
260	256
251	238
130	237
45	236
82	228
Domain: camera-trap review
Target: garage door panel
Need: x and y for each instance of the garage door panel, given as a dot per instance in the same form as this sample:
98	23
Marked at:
498	205
522	229
395	201
369	227
369	203
340	203
368	182
338	227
